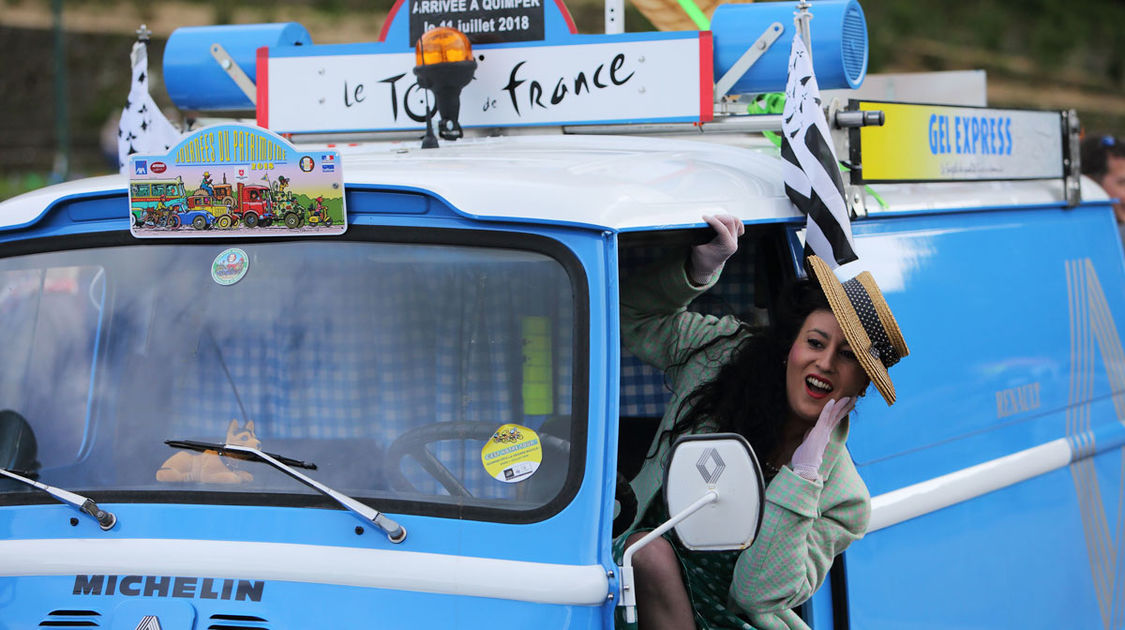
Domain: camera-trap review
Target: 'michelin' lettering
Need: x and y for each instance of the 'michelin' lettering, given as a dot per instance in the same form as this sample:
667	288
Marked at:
169	586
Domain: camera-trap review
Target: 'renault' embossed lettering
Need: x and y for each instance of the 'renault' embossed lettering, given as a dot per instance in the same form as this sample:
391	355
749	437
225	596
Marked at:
1017	400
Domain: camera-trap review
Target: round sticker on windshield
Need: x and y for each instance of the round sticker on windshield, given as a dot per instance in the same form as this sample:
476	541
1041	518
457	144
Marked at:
230	266
512	454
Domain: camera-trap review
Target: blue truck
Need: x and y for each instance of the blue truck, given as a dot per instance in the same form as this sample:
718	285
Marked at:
425	430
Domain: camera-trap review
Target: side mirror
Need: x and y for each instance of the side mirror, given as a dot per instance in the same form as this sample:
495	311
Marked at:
723	463
713	486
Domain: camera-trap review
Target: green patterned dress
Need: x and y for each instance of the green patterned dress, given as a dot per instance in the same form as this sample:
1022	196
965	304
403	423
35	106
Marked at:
805	523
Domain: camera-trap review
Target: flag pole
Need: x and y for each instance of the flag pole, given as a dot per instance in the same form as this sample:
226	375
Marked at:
61	169
812	176
143	128
801	20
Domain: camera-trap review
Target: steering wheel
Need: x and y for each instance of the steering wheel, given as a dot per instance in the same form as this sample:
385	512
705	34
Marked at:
414	442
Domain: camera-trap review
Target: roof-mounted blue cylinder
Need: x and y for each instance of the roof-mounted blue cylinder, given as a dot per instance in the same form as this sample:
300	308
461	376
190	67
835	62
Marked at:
194	79
839	43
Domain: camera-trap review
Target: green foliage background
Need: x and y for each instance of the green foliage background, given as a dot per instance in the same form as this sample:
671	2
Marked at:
1045	42
1039	54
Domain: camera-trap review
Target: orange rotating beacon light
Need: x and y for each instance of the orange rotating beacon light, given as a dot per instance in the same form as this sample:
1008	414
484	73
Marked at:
444	65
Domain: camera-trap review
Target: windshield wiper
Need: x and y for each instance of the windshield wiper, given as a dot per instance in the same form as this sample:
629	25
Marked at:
106	520
211	446
395	533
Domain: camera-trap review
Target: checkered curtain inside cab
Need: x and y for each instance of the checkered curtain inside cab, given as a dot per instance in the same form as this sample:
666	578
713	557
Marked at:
643	392
399	349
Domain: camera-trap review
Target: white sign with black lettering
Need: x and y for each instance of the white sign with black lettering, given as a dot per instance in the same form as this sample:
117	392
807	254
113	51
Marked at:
635	80
483	21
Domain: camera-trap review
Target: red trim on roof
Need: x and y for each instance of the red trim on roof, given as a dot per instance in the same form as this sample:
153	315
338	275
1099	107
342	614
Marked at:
263	87
706	78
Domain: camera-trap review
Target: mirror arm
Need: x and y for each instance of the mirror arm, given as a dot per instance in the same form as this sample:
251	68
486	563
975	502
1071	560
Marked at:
628	588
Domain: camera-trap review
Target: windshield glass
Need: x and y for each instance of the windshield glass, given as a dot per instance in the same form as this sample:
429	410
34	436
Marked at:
434	374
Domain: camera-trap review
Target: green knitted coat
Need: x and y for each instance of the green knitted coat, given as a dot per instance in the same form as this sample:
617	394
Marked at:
805	524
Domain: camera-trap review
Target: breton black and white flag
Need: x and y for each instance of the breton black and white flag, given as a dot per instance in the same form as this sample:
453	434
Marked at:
812	176
143	128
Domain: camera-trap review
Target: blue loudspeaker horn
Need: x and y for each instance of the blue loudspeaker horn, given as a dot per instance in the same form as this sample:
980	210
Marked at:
194	79
839	43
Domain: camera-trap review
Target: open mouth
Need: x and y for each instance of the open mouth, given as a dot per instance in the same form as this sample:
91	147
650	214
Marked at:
817	387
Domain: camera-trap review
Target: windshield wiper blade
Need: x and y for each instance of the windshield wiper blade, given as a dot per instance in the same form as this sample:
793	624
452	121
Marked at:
210	446
106	520
395	533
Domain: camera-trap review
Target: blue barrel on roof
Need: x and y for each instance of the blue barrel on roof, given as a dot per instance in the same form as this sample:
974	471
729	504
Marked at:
192	75
838	32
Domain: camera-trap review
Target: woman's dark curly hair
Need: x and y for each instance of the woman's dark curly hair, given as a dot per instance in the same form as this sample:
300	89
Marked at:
748	395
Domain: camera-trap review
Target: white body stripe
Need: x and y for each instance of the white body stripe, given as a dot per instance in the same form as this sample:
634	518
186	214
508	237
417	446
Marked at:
460	575
346	566
931	495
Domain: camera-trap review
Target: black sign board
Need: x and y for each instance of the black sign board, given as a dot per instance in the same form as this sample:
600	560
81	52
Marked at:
483	21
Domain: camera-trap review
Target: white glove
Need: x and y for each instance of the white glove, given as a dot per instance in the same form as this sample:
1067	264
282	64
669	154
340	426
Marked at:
706	259
808	456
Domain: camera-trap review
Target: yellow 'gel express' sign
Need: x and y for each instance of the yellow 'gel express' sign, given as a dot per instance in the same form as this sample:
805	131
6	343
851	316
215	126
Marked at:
944	143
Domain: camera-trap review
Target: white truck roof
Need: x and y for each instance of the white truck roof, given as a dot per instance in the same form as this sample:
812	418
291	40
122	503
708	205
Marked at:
620	183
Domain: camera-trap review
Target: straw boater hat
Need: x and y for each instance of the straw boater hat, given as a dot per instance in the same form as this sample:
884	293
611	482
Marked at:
867	322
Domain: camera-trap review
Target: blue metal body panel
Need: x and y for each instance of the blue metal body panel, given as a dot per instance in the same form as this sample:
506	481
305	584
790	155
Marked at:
1014	345
293	605
335	604
995	317
583	523
1014	558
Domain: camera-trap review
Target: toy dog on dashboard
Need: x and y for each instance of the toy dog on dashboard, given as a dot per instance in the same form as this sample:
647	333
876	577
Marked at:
208	467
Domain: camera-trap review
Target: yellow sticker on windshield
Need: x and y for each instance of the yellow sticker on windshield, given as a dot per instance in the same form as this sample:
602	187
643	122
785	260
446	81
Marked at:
512	454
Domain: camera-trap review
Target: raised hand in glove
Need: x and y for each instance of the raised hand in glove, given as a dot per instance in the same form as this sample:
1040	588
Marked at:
708	258
809	455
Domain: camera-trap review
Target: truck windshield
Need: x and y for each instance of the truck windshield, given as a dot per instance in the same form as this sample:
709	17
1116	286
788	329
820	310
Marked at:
424	377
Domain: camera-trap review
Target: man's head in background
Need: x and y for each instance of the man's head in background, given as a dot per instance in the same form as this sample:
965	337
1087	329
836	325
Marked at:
1103	160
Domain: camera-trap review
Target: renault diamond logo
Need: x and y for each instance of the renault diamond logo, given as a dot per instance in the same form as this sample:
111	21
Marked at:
710	455
150	622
